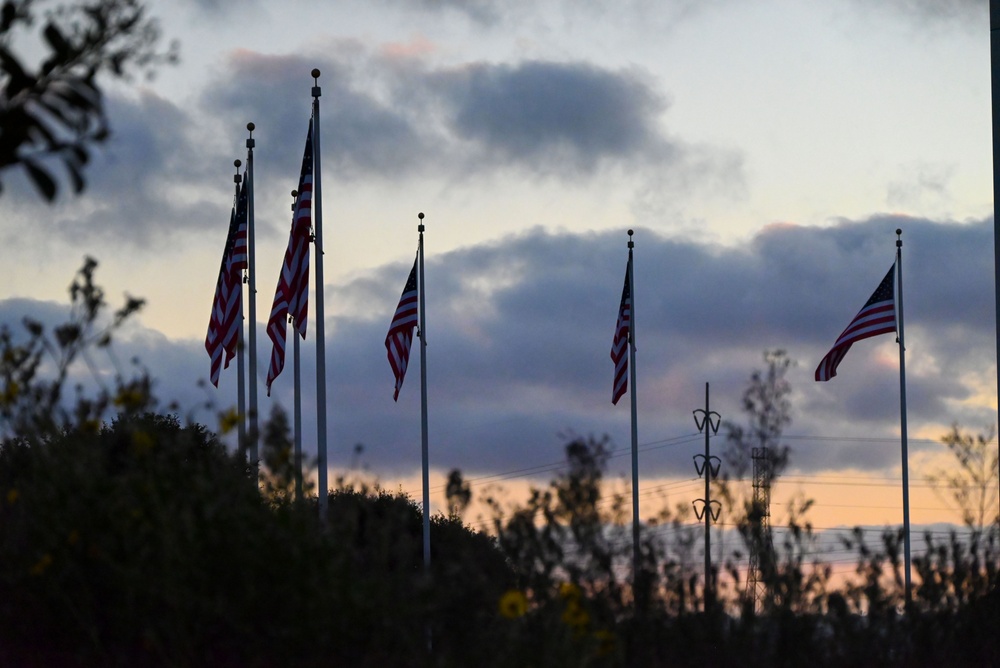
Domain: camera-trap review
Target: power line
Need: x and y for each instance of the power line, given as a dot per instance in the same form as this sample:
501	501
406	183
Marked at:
676	441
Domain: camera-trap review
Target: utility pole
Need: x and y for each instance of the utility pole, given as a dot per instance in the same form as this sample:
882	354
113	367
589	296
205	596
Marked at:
708	465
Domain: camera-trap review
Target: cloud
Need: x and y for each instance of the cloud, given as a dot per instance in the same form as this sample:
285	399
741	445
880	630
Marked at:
396	118
484	12
389	118
553	114
493	15
372	137
575	122
519	333
964	10
145	184
931	15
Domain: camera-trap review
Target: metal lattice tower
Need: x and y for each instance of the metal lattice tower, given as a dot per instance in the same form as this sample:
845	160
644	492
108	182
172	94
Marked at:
759	517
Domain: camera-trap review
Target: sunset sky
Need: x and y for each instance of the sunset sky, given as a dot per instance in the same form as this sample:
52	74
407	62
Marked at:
763	151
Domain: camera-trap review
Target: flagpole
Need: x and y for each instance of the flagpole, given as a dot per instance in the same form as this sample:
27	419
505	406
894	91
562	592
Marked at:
297	400
424	456
421	325
635	434
320	316
241	383
995	100
252	293
297	417
902	418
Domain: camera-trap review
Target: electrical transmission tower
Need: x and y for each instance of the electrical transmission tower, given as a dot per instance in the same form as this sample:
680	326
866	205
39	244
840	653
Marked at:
707	465
759	517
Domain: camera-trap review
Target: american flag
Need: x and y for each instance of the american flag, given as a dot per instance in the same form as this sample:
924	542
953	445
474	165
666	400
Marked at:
291	297
877	316
619	348
400	336
225	322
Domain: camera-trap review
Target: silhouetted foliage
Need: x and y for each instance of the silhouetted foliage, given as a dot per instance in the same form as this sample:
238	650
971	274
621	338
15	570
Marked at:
136	540
973	487
53	112
32	403
768	411
458	493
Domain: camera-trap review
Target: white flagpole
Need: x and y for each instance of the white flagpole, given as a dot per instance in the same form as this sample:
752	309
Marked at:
317	200
297	401
902	418
252	293
423	395
424	457
995	104
297	417
635	434
241	383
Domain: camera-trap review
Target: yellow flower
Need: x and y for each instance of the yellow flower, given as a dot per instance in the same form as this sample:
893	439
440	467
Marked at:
42	564
142	443
605	642
513	604
12	495
130	398
574	615
9	395
123	397
229	420
569	591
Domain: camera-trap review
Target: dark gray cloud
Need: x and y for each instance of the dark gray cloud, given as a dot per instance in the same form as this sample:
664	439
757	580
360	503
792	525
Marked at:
551	14
395	118
567	120
519	334
141	182
486	12
540	108
386	119
364	137
942	10
219	8
930	17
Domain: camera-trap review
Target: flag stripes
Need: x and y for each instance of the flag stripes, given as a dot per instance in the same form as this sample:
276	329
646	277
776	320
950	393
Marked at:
400	336
291	297
619	347
225	321
877	316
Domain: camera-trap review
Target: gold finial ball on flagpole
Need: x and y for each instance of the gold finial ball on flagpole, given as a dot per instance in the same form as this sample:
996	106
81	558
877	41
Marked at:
315	73
630	232
420	216
237	163
251	127
899	231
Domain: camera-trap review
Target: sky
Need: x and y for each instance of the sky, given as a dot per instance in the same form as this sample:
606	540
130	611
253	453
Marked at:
764	153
